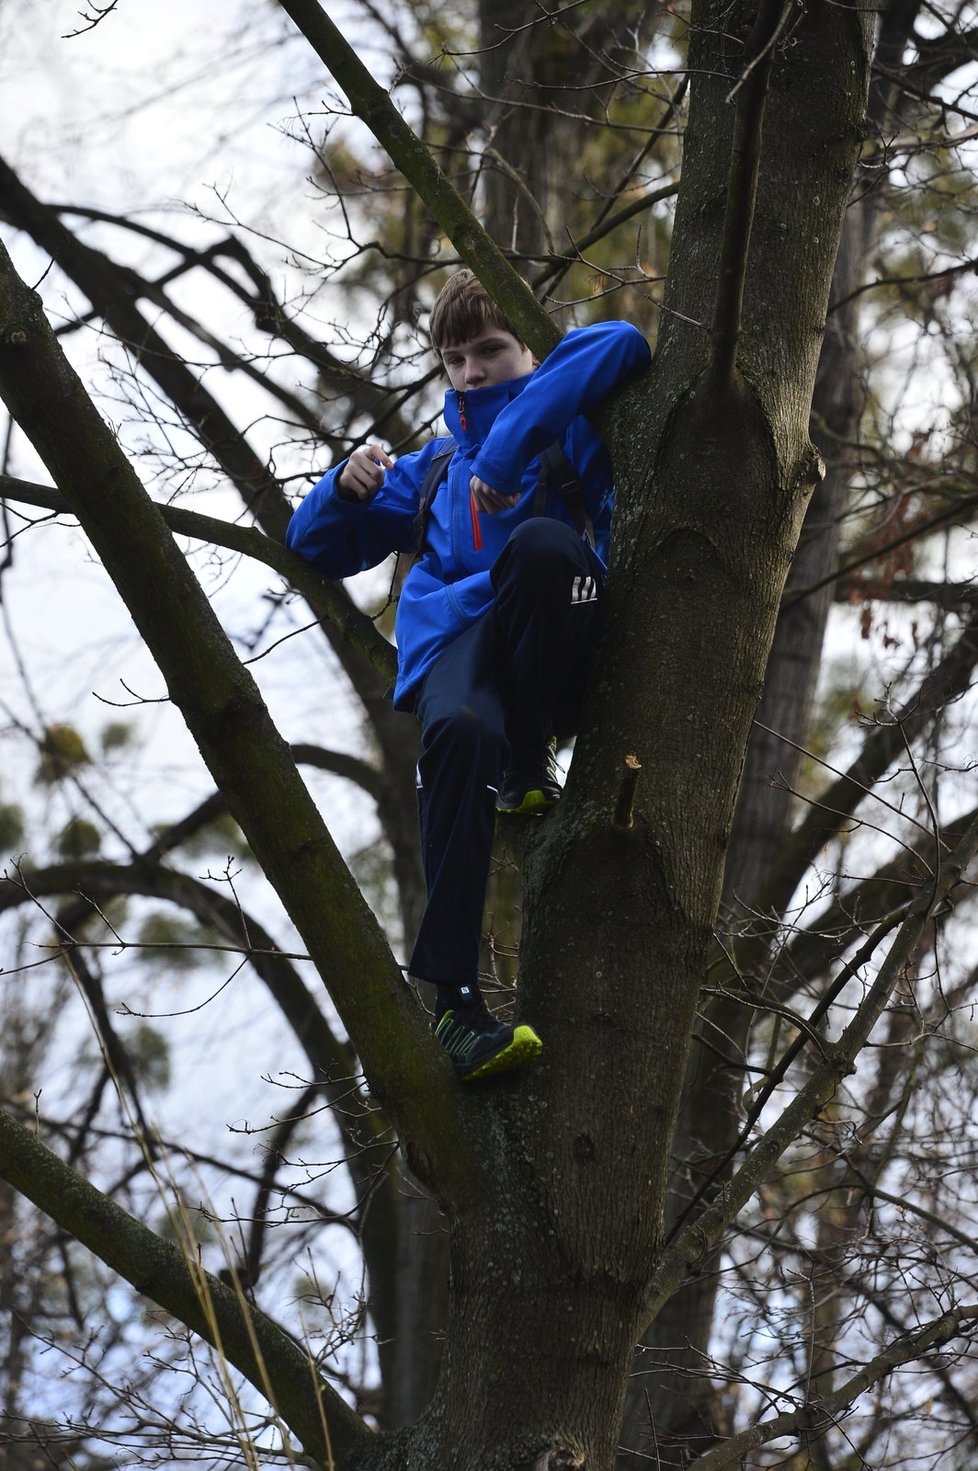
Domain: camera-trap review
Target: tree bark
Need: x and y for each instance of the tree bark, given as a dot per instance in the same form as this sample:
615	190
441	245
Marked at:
672	1388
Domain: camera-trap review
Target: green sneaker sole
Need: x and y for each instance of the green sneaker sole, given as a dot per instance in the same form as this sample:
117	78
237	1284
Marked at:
533	801
525	1047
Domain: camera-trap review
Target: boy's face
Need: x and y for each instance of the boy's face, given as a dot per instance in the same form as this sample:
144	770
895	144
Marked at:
494	356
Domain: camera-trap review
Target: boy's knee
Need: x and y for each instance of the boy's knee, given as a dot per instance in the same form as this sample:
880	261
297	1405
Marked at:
542	554
543	540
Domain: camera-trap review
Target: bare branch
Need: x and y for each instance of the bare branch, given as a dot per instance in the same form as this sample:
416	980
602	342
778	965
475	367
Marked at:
821	1412
948	679
916	533
374	107
695	1239
170	1275
234	732
355	626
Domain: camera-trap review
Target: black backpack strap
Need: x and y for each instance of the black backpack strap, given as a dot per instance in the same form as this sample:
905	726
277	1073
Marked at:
437	472
558	474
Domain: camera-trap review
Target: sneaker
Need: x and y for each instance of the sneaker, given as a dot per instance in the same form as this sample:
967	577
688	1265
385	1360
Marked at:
479	1044
531	789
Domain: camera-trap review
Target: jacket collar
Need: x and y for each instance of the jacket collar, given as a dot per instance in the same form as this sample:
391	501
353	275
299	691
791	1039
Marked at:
481	407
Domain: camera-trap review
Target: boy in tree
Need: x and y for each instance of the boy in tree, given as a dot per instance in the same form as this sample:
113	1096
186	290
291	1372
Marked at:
497	619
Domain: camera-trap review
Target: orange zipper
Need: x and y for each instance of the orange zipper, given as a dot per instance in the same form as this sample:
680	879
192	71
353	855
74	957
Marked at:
476	528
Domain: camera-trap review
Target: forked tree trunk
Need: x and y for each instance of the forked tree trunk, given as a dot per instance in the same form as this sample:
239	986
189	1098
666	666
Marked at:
713	484
674	1405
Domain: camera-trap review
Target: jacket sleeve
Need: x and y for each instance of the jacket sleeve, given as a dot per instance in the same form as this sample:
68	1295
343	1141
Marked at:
582	370
342	537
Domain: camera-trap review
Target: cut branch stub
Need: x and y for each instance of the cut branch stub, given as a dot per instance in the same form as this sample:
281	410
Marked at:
624	814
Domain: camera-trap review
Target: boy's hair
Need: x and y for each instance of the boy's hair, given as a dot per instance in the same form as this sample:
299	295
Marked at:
463	308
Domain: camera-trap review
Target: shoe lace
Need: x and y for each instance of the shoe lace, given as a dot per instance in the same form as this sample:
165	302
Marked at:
475	1018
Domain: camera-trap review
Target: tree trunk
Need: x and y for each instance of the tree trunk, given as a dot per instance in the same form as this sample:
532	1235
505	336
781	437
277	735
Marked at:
672	1402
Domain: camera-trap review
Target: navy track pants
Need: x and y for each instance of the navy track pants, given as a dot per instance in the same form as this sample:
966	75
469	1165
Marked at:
493	699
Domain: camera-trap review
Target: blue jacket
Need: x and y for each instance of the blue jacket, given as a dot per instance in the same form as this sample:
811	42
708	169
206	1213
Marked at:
499	430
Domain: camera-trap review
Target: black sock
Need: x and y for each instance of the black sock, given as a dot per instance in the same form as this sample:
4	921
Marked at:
450	998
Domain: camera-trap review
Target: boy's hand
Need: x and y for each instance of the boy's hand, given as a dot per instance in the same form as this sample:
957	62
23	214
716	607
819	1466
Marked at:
490	500
363	474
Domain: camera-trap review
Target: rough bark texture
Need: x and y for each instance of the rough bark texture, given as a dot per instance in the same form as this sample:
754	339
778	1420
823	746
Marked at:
618	924
671	1388
684	1409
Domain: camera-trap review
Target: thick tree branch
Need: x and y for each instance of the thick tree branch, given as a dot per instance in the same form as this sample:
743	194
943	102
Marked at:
340	763
960	597
373	105
223	708
171	1276
937	58
742	188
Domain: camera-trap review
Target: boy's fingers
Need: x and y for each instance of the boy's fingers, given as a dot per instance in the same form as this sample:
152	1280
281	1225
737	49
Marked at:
364	472
379	455
357	483
490	500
